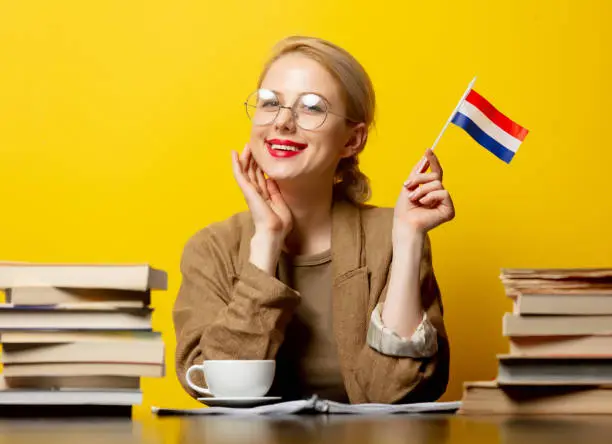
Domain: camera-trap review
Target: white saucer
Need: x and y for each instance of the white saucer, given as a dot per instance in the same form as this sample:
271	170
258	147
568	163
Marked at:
238	401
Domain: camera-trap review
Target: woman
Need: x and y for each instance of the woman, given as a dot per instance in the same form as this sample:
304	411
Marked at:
341	294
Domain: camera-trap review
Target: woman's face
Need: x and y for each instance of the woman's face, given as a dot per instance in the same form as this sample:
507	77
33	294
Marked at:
315	153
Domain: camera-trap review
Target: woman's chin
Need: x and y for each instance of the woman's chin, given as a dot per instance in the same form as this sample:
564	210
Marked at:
282	174
284	178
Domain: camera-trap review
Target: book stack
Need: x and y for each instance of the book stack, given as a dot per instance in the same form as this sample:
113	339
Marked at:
77	335
560	334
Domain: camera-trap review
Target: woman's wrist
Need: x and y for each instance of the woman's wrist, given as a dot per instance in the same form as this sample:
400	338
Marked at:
407	242
265	252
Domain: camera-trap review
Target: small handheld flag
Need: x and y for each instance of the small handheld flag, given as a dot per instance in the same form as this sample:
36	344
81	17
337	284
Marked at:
489	127
486	125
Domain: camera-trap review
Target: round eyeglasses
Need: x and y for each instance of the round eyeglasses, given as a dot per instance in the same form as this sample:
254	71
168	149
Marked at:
310	110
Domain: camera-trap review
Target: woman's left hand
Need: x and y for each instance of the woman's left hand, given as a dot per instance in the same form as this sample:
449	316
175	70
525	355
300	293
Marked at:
423	203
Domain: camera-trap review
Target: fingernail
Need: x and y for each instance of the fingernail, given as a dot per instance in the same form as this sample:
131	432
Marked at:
411	195
408	183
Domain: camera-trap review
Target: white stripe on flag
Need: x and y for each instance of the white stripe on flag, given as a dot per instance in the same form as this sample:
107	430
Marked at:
485	124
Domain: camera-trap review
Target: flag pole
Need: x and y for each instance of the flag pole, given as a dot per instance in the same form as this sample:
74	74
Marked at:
423	161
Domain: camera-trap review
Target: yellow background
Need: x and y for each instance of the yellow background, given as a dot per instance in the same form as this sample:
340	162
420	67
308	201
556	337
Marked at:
117	120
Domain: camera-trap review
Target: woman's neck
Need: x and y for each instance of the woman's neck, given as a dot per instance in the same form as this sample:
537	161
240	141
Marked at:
311	233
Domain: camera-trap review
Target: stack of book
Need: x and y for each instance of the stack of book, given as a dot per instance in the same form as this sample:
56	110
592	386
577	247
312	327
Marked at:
560	334
78	334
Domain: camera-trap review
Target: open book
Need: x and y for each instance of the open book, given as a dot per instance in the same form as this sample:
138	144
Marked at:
317	405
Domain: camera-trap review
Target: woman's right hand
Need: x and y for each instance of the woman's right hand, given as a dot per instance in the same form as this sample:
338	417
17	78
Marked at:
271	215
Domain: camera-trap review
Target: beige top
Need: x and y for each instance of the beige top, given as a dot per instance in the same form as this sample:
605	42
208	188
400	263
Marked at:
309	346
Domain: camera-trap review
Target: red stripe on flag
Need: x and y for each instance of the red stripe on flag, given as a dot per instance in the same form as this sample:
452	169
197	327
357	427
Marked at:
512	128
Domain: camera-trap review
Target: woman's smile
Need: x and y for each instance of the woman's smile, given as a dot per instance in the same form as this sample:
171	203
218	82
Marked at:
284	148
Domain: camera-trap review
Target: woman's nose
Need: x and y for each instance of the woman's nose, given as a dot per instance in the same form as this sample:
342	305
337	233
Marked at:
285	119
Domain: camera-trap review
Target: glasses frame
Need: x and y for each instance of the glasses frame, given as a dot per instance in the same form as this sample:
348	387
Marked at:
291	108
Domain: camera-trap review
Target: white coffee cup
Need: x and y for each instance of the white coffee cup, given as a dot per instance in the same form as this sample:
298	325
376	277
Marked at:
234	378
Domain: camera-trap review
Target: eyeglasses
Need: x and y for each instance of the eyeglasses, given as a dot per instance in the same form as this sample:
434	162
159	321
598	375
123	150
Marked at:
310	110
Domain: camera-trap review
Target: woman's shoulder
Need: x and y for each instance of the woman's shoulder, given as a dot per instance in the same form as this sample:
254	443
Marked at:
377	223
225	235
375	218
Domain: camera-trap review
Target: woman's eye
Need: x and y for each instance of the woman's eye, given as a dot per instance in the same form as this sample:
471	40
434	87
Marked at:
314	109
312	103
268	104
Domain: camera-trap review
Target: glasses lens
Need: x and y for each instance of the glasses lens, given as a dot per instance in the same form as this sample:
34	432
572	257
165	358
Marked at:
311	111
262	107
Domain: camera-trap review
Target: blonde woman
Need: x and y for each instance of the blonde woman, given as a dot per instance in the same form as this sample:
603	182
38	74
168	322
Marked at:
341	294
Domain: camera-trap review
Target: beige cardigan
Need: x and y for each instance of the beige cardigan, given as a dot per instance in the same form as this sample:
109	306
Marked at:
227	308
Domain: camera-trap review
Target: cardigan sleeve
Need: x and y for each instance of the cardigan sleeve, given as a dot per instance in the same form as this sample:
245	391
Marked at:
388	378
220	314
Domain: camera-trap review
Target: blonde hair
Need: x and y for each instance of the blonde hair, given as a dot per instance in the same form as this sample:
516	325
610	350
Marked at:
358	95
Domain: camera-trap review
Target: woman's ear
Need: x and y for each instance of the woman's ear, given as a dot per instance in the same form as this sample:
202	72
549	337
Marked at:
357	139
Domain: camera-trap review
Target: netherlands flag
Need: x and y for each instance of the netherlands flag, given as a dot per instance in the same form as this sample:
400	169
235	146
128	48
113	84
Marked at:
487	126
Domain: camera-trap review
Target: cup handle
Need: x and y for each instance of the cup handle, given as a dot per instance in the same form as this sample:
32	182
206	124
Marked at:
195	387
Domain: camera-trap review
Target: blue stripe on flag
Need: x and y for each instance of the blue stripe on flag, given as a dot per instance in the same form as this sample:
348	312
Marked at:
463	121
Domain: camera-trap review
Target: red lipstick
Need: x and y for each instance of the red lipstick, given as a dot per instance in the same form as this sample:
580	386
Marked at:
292	150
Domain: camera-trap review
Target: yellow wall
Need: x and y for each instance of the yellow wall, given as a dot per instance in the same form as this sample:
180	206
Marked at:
117	120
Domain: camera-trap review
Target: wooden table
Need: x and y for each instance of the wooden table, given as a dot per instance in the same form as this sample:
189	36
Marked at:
311	429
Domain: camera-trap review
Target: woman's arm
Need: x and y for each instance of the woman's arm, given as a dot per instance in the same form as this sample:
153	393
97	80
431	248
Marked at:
221	315
407	355
386	377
